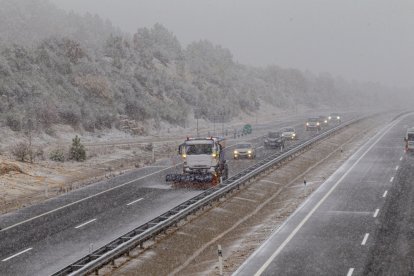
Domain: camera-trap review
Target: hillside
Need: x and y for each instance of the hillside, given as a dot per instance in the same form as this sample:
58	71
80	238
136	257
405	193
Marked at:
62	68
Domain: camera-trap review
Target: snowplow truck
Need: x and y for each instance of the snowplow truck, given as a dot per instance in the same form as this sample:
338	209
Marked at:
204	161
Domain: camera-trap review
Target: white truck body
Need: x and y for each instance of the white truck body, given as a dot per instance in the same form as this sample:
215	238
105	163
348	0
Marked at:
409	139
203	161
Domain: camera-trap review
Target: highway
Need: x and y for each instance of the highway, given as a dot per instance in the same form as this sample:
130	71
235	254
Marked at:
41	239
359	222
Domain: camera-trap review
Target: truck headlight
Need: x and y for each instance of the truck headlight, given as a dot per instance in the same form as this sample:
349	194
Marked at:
317	123
329	117
294	135
307	124
326	121
338	117
184	156
249	151
236	152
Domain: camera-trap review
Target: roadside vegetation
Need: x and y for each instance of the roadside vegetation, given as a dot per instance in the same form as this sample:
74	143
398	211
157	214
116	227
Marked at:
63	68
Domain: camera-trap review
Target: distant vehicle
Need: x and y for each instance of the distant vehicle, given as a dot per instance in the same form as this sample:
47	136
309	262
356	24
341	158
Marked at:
313	124
245	150
324	121
289	133
274	139
204	161
247	129
335	118
409	139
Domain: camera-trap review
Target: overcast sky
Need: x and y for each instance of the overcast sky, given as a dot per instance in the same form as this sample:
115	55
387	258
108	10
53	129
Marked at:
358	39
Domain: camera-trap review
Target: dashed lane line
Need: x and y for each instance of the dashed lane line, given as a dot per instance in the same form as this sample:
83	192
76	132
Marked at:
135	201
364	241
350	271
85	223
17	254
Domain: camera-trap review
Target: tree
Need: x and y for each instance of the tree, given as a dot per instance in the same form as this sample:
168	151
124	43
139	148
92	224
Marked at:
77	151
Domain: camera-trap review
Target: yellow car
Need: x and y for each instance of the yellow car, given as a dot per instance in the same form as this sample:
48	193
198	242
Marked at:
245	150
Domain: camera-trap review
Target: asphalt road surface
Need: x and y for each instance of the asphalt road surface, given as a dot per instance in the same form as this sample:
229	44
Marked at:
41	239
359	222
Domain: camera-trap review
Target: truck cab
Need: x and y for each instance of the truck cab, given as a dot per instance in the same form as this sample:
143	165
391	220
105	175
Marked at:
409	140
202	155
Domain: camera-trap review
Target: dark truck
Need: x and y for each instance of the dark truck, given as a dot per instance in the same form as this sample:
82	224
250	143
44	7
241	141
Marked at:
274	140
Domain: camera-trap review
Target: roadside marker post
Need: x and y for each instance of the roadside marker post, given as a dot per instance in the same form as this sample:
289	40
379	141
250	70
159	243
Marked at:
220	257
46	189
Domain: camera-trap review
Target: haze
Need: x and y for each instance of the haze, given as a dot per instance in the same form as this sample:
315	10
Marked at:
362	40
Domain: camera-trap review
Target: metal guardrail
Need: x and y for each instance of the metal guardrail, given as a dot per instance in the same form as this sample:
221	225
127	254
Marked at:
124	244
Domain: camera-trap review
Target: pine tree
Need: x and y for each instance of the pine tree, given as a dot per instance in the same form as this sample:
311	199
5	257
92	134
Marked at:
77	151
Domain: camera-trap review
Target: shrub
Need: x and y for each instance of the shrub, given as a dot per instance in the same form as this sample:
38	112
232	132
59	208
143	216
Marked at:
13	123
50	131
77	151
39	154
21	151
70	117
57	155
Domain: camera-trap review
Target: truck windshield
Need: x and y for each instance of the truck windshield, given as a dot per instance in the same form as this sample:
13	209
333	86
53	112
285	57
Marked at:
274	135
410	136
199	149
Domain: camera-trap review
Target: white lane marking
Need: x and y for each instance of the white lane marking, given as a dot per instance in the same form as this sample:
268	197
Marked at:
135	201
392	179
401	158
385	194
83	199
396	168
293	233
350	271
17	254
364	241
376	213
85	223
